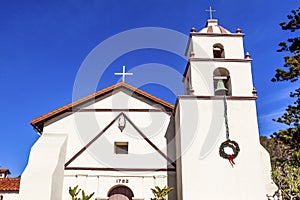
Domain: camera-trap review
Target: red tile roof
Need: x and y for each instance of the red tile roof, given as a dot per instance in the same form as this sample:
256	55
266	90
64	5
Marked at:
10	184
36	122
5	171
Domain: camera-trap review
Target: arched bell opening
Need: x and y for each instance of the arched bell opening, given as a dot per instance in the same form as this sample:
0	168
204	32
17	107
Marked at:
222	82
218	51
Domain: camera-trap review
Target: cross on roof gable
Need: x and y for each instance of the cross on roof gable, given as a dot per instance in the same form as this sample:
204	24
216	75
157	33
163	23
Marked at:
123	74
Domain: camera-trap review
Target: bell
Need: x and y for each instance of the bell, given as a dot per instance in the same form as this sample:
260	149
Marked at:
221	89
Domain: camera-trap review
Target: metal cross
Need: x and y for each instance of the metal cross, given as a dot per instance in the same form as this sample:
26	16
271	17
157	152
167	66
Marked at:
123	74
210	11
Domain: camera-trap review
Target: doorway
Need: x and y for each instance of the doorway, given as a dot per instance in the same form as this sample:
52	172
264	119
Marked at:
120	193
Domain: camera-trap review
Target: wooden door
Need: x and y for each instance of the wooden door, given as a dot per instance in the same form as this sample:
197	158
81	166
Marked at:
121	193
118	197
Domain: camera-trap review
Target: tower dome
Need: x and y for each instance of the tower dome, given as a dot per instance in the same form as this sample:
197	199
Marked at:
212	27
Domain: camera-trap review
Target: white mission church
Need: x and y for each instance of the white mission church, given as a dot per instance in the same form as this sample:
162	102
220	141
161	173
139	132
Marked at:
121	141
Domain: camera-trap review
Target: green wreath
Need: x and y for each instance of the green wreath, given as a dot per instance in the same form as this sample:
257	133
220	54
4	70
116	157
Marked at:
235	148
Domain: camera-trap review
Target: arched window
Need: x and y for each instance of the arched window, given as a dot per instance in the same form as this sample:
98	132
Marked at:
222	83
218	51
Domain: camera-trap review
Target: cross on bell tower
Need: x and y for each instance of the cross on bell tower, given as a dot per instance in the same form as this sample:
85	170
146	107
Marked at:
210	12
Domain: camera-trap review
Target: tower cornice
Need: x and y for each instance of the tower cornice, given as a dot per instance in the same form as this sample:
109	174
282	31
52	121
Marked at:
217	35
198	97
220	59
215	60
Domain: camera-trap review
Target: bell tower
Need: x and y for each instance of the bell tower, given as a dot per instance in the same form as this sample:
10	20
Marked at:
219	155
216	54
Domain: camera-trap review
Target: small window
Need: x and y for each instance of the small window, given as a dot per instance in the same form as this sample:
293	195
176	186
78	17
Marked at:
218	51
121	147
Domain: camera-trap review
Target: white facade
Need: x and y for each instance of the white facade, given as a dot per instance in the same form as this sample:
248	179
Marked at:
164	145
13	195
98	168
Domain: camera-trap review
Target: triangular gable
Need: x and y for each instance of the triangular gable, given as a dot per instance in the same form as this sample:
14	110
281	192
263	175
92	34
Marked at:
82	150
75	106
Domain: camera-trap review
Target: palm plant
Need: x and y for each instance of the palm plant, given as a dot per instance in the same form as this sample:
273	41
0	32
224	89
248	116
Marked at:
73	192
161	193
86	197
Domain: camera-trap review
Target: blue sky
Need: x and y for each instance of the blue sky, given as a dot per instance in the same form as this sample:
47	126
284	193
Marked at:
44	42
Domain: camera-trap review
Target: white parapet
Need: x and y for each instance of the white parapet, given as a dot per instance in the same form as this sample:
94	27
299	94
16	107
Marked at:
44	174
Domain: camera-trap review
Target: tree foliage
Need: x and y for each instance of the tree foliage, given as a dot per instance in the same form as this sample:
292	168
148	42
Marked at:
287	178
285	172
279	152
291	71
284	145
290	137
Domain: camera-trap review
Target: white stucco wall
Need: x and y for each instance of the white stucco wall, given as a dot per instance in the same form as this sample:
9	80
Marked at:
101	184
240	76
82	127
43	176
204	173
202	45
10	195
270	186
